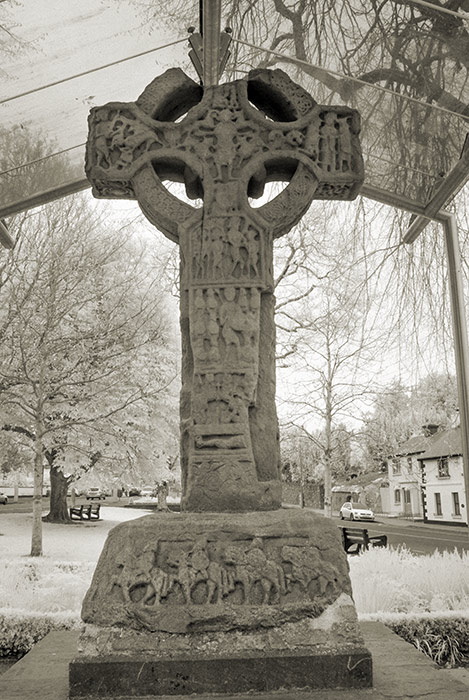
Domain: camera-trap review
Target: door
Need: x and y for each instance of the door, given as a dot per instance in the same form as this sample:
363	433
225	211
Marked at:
407	503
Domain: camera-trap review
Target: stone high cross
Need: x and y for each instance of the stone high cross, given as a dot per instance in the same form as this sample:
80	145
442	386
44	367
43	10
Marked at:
225	143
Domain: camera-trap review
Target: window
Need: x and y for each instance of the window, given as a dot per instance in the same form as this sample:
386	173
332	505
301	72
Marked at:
438	510
406	496
397	496
396	466
443	468
456	504
409	463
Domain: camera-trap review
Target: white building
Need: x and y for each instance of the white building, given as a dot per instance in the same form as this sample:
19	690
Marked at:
444	499
405	478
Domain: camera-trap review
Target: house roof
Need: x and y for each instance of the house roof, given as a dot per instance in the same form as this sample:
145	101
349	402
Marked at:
356	485
415	444
444	444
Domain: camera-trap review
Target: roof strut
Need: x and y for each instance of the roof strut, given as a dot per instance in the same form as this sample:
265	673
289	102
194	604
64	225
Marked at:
209	52
446	189
5	238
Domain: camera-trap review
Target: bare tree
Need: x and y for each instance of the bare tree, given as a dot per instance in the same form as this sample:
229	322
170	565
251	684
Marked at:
86	353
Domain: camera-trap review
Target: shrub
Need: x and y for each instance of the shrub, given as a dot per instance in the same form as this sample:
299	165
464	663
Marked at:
43	585
443	637
21	629
395	580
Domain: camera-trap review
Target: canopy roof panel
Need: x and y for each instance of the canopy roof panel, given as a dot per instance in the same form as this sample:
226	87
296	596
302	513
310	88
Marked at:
403	65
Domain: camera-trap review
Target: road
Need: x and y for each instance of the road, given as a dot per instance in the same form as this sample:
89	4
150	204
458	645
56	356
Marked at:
418	537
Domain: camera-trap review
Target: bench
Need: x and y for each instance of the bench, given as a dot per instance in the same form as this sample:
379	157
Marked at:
85	512
94	511
358	538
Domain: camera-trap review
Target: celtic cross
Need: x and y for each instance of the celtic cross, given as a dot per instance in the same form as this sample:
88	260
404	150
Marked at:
224	143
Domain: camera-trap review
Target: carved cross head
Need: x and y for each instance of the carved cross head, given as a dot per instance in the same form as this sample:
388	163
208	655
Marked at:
224	143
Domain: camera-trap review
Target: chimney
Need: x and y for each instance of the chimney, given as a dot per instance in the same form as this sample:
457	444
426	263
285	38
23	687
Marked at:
430	429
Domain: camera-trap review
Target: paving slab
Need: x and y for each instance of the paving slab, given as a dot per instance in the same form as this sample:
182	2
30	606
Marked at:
400	671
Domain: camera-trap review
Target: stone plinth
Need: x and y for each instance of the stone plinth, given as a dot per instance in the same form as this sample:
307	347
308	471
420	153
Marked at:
220	602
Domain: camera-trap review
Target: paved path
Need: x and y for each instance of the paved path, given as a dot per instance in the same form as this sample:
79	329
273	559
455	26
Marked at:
400	672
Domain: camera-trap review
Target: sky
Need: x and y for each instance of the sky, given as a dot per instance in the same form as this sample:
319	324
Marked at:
60	38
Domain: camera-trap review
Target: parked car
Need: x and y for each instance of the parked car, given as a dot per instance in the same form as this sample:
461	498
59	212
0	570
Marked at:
3	499
95	492
356	511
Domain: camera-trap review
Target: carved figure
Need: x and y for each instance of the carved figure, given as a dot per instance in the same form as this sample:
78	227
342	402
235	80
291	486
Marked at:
144	576
226	150
251	566
328	142
307	566
346	148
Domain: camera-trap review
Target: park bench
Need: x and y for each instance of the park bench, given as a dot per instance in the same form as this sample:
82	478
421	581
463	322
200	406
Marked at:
94	509
85	512
358	537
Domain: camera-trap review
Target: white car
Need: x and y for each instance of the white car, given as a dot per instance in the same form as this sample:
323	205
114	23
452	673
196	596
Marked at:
148	492
356	511
95	492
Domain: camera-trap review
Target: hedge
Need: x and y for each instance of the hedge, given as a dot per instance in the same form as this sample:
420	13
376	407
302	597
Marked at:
20	629
444	637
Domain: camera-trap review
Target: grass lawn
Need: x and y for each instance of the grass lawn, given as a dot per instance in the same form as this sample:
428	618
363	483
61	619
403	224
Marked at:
78	541
387	584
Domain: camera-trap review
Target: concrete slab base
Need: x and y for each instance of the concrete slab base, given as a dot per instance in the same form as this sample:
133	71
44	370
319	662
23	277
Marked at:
254	673
400	671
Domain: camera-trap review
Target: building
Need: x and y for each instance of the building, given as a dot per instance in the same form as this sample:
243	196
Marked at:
442	469
405	477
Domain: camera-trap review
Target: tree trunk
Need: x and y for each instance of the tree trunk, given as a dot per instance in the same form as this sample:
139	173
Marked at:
58	497
36	536
328	444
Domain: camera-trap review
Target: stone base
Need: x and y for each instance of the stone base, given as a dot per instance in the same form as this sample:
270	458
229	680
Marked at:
220	603
120	676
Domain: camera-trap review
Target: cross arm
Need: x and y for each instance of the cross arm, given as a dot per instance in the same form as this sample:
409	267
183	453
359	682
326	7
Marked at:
133	146
313	147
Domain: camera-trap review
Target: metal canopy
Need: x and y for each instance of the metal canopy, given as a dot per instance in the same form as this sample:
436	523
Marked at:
410	136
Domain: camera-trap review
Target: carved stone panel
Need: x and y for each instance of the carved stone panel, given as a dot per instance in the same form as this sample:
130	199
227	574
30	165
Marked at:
213	571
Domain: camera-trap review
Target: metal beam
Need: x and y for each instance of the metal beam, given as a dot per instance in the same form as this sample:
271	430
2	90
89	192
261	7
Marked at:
44	197
448	188
5	239
392	199
211	27
461	347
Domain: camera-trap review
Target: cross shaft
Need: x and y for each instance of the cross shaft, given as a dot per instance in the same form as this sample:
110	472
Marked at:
225	149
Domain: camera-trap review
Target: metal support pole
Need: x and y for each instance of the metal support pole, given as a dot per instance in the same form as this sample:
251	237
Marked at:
461	347
211	21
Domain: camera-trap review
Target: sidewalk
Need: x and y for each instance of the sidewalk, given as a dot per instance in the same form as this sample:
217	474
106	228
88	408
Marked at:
406	522
400	672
